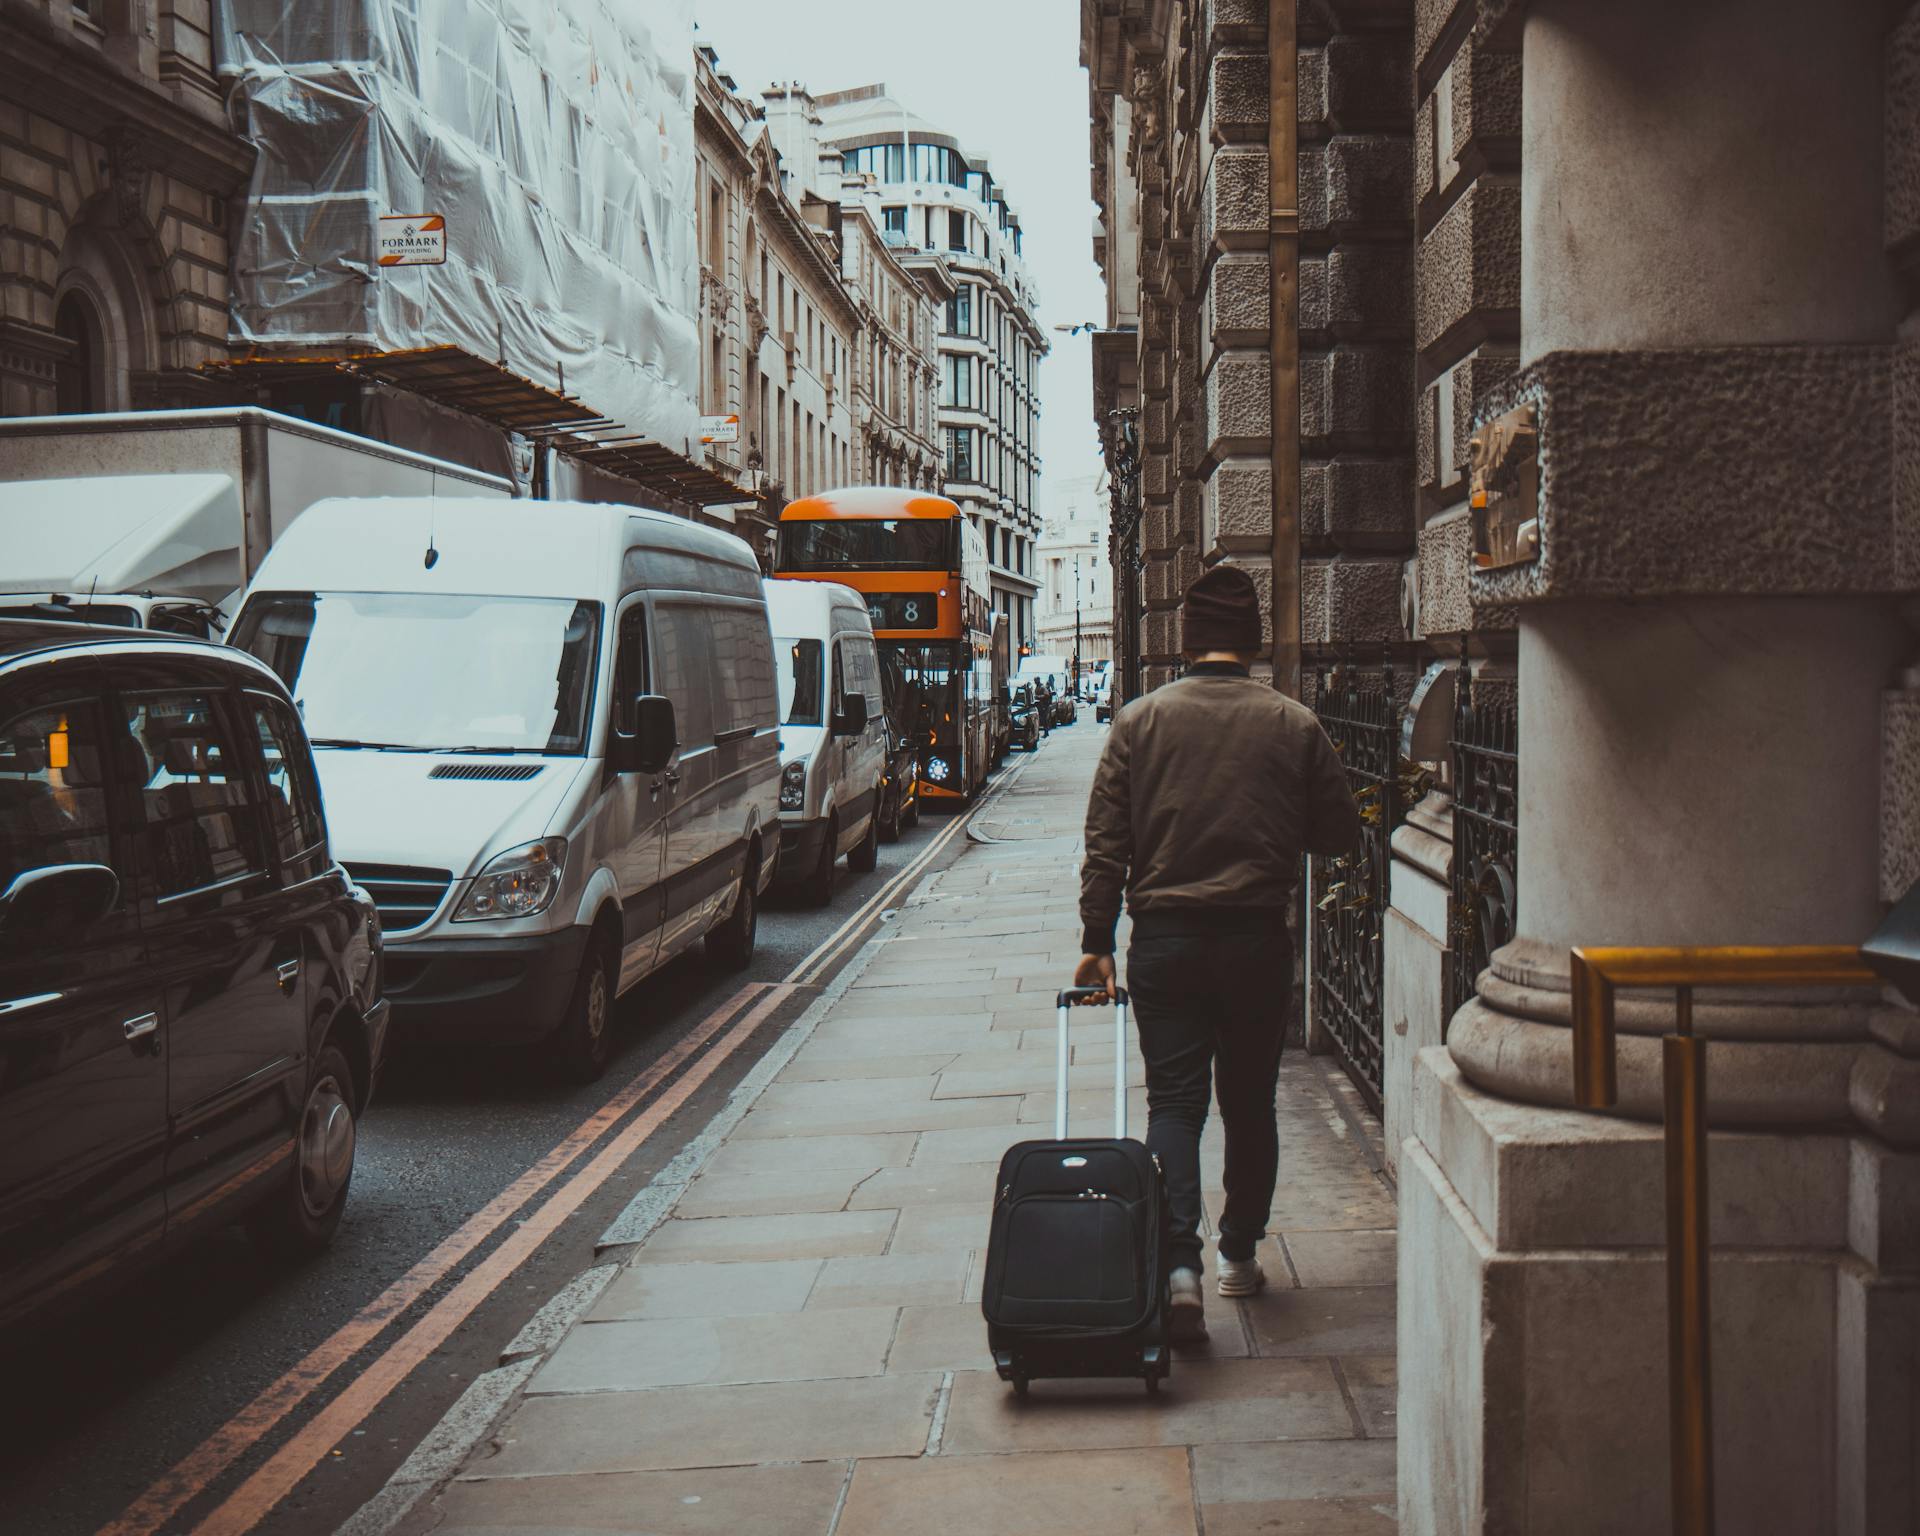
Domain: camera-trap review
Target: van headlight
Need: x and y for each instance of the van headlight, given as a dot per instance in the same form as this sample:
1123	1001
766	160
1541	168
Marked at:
793	786
518	883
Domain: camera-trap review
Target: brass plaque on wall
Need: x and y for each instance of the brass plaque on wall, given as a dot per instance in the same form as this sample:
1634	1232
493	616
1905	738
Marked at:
1505	460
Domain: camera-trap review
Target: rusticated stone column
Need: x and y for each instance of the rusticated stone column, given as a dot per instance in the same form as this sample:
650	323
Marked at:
1710	663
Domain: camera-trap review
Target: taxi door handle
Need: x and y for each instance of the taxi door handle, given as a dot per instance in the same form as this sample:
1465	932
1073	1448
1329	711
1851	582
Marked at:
140	1027
287	972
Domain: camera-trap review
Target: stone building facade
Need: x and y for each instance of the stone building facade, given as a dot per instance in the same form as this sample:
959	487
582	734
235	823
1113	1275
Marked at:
723	132
937	201
780	327
116	164
896	376
900	290
1670	702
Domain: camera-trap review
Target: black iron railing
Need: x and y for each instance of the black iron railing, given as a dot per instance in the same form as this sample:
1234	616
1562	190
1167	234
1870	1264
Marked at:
1347	897
1486	837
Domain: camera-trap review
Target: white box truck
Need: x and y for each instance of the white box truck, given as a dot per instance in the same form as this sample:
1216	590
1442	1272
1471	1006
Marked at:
157	519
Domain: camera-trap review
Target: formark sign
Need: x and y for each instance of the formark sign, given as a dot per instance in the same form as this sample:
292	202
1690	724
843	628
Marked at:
413	239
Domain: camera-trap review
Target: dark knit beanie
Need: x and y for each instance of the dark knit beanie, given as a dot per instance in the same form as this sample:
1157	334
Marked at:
1221	612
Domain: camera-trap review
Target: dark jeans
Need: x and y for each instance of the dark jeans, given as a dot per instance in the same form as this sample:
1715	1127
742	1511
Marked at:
1213	1005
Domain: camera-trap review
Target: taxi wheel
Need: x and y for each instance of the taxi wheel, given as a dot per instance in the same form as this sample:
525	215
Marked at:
299	1219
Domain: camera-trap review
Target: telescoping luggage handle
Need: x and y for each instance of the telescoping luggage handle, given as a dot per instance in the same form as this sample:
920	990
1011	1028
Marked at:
1069	997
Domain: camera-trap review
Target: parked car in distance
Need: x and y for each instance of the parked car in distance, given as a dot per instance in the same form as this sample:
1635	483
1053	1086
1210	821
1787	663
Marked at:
833	732
1103	698
549	744
1026	718
191	1019
900	789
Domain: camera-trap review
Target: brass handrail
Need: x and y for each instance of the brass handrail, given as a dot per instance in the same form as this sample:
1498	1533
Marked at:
1596	973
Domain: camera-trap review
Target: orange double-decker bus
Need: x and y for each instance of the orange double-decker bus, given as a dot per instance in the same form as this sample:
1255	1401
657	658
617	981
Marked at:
922	568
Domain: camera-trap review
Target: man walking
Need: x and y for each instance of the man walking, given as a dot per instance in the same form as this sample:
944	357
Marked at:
1208	792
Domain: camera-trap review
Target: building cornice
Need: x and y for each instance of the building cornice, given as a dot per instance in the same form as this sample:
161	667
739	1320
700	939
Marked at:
52	74
800	240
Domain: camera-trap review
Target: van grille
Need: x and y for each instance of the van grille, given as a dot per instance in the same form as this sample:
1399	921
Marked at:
405	894
511	773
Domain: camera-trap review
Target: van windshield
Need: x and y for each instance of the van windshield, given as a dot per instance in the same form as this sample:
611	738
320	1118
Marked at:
431	672
798	662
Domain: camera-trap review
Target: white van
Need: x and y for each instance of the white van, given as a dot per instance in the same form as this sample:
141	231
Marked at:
833	744
547	738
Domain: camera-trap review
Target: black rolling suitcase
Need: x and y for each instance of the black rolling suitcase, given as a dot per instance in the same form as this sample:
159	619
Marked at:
1076	1281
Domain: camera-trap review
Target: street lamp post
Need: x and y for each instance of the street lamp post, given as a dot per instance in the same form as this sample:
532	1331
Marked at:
1076	621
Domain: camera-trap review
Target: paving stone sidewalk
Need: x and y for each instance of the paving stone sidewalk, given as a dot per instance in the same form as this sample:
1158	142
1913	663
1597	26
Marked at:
799	1348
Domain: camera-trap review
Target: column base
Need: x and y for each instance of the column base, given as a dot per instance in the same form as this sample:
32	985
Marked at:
1532	1317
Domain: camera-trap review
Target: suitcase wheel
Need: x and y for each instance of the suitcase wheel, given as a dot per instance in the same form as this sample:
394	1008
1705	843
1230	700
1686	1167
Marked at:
1153	1386
1019	1386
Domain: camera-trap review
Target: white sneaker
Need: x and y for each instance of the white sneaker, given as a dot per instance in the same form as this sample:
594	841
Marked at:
1189	1322
1240	1277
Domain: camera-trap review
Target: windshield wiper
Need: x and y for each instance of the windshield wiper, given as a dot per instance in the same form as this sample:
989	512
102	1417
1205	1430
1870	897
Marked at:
350	744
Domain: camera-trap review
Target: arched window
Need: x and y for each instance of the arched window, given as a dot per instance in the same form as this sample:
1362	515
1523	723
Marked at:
77	380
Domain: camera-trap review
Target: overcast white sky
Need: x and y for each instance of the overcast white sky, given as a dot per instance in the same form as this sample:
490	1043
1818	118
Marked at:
1001	76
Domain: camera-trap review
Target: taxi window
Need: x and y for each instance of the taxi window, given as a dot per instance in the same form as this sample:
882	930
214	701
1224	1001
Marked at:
53	796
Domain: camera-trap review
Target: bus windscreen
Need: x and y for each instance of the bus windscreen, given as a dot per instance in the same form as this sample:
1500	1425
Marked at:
929	695
870	544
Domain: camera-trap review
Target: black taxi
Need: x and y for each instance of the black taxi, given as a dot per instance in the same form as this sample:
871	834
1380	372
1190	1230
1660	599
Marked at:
191	1019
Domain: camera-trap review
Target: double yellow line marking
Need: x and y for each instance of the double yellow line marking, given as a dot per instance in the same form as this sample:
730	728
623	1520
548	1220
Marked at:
728	1027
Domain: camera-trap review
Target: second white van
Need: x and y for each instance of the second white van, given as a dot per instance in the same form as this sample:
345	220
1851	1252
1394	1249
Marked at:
833	746
547	738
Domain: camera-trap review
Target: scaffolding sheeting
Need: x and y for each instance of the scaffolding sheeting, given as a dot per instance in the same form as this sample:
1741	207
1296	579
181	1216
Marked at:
554	136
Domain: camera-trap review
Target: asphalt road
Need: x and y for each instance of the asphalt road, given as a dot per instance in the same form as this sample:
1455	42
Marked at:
99	1408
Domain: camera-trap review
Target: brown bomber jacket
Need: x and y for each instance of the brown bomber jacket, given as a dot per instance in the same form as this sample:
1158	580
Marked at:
1209	791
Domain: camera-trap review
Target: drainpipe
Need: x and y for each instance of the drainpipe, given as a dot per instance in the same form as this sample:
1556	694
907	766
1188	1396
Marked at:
1283	341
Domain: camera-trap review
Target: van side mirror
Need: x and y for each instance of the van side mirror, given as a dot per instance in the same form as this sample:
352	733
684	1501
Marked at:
58	896
853	715
650	746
